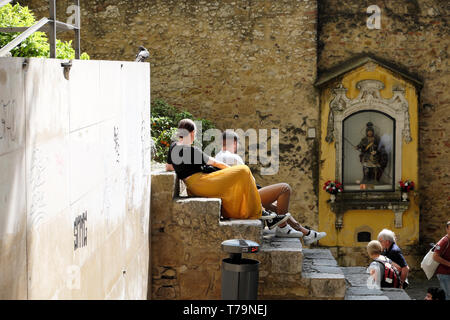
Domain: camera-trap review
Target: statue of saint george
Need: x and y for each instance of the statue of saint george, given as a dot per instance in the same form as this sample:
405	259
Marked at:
372	157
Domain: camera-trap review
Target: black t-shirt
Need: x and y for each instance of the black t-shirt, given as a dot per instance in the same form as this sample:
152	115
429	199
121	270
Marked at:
186	160
395	254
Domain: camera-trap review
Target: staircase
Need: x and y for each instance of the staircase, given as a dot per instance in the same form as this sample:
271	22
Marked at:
186	255
290	272
357	289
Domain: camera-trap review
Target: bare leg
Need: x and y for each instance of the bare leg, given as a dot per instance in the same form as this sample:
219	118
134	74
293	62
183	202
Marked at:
281	193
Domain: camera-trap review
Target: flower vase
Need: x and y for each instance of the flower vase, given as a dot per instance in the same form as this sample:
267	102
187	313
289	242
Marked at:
404	196
332	198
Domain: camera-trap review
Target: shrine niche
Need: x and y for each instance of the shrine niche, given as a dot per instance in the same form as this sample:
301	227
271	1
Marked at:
369	142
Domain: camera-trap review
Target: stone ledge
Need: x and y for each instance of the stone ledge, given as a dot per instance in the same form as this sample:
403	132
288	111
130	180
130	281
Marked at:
324	277
280	270
283	273
319	263
238	222
192	200
271	242
366	298
363	291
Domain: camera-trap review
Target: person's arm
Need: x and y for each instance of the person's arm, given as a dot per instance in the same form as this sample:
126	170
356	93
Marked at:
169	167
374	275
404	273
218	164
374	281
443	246
402	268
441	260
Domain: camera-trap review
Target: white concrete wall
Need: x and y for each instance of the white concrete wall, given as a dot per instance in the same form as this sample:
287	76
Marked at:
68	148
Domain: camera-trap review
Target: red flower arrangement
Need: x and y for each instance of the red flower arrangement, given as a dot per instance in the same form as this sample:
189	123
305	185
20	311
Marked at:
333	187
406	186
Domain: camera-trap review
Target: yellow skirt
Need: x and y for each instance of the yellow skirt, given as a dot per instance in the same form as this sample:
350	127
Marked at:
235	186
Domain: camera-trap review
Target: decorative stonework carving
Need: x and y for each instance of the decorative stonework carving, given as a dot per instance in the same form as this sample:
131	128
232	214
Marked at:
369	201
337	105
398	217
370	66
399	93
368	99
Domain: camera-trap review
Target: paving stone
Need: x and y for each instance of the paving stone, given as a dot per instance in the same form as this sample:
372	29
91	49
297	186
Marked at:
366	298
317	275
353	270
325	262
281	244
396	294
322	269
356	280
317	254
363	291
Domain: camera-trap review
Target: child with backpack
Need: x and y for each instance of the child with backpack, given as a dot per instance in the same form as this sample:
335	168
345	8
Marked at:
383	272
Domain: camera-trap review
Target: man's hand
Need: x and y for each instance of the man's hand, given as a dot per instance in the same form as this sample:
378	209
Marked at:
218	164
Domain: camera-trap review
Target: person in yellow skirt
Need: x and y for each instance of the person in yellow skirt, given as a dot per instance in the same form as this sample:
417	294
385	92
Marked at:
234	185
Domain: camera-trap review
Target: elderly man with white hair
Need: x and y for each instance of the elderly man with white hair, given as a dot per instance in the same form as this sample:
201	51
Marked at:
393	252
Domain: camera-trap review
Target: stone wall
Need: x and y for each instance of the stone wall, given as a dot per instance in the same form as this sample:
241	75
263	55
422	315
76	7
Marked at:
414	36
186	251
252	64
185	239
74	179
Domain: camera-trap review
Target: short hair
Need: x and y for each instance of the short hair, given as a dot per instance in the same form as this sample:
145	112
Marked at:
185	127
386	234
374	247
436	293
229	135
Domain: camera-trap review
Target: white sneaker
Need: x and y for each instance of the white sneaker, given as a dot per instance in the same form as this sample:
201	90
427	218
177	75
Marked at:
288	232
313	237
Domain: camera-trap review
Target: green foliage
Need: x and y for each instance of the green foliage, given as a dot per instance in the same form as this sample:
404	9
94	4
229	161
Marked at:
164	122
37	44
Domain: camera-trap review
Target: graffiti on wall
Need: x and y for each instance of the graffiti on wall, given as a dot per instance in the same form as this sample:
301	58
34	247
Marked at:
80	231
116	144
7	121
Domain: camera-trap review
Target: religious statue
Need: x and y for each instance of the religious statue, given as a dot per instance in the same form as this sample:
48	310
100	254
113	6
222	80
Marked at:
372	157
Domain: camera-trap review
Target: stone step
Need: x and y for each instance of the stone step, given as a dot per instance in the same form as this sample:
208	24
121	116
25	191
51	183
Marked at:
324	277
357	288
289	271
186	237
203	214
280	269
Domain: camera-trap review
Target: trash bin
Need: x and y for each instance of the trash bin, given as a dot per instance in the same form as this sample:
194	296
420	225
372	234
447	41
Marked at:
239	276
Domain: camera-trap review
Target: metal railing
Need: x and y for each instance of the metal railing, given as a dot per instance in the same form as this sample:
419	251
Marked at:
49	25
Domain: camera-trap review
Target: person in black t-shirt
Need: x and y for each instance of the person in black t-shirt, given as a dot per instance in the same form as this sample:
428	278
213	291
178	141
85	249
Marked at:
185	159
393	252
